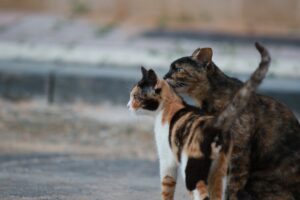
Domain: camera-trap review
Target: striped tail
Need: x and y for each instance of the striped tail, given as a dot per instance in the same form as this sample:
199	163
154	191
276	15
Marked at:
240	100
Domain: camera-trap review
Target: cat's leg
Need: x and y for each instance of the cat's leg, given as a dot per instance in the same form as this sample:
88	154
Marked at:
201	191
263	189
217	186
168	188
191	195
218	176
239	172
196	177
168	174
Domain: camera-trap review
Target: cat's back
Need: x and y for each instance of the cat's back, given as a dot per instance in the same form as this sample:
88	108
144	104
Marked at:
277	134
272	132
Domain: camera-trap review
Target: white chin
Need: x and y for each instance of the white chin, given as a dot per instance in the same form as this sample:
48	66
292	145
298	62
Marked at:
133	111
142	112
180	89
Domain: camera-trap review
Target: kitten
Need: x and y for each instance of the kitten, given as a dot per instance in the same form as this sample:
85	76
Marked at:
200	144
266	154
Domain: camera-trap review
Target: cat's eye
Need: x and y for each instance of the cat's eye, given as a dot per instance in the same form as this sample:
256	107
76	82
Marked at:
178	69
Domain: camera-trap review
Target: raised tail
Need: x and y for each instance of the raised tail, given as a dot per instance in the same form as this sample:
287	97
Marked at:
241	98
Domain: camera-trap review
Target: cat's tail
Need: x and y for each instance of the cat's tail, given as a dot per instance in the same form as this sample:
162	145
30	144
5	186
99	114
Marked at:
241	98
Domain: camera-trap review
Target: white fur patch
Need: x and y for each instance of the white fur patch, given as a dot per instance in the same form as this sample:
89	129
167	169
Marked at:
215	150
168	165
183	163
129	105
141	111
196	195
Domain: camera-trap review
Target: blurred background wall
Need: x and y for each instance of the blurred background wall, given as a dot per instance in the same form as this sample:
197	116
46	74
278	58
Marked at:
269	17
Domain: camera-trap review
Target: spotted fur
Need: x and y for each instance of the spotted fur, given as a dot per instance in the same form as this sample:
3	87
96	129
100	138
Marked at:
266	152
187	137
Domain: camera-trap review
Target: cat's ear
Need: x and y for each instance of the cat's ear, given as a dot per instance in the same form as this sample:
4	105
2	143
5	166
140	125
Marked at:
203	56
152	77
144	72
157	87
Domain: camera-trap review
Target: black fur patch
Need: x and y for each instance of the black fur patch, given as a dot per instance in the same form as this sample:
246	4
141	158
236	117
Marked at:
180	114
147	82
185	60
181	134
174	119
150	104
168	75
243	195
196	170
181	61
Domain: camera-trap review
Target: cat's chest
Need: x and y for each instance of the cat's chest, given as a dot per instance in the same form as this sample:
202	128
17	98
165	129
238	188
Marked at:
162	138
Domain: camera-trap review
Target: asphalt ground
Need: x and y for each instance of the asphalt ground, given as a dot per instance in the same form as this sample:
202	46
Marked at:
76	152
63	176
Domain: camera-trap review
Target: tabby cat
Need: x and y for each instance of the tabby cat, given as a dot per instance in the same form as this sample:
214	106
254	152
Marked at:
200	144
265	160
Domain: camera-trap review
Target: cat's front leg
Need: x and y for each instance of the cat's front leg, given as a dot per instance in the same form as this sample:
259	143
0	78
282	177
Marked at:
168	174
201	191
168	188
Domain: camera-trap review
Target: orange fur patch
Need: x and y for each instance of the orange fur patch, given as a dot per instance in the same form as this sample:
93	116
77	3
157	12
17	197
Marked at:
172	102
168	188
203	189
216	176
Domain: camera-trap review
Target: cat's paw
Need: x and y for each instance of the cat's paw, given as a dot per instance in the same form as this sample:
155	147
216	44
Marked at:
215	150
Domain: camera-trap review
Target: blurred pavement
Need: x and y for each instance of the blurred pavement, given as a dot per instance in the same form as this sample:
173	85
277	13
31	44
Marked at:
76	152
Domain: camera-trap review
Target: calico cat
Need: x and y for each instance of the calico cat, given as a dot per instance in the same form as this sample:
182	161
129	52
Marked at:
265	160
200	144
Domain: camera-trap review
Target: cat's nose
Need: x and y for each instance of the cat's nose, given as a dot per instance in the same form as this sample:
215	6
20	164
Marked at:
128	104
168	75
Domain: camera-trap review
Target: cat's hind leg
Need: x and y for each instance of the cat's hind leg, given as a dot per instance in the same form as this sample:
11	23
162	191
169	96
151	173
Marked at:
201	191
196	177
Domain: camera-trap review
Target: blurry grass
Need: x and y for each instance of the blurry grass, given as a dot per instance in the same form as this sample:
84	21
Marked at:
294	29
185	18
59	25
230	49
179	49
153	52
79	7
104	30
206	17
162	21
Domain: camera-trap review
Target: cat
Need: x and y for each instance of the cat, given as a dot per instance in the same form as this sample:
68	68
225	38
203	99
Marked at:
200	144
265	160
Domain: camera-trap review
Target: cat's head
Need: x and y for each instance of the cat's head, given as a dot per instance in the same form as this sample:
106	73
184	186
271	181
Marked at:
145	96
189	72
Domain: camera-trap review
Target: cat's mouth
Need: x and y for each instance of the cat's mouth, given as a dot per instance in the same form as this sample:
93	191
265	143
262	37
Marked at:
175	85
179	85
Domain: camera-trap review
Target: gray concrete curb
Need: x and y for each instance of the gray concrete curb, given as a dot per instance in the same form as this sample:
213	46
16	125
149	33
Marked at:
98	84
